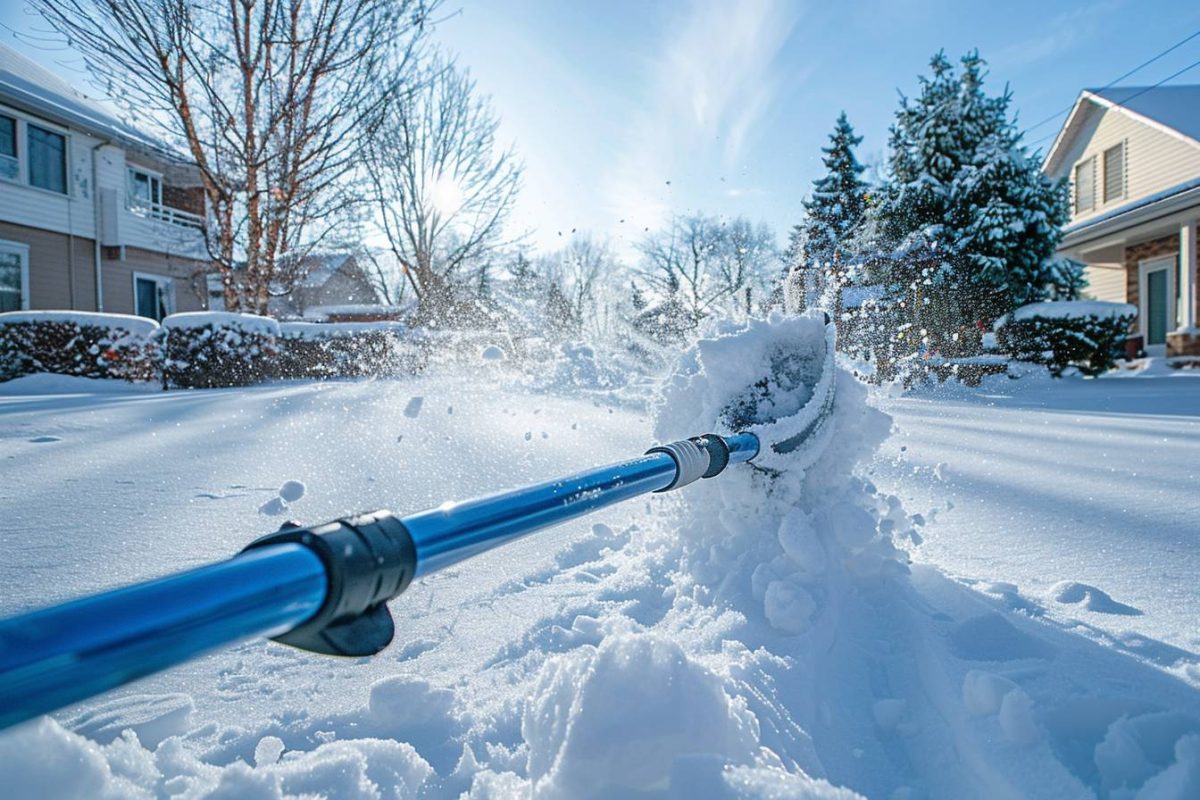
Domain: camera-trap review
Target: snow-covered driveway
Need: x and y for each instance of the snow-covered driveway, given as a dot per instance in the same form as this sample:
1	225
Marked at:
732	641
1084	491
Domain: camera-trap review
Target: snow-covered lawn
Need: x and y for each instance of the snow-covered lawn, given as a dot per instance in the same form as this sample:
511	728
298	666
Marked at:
724	642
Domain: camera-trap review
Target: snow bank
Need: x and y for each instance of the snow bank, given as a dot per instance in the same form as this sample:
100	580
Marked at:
42	759
1074	309
251	323
140	326
46	383
319	330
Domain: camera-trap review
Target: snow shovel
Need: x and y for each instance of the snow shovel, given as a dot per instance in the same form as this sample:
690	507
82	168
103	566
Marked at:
325	588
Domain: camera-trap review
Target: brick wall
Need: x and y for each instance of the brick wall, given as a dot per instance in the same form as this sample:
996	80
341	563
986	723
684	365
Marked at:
1134	254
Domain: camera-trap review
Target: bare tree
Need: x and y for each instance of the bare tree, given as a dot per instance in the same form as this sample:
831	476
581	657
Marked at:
442	188
580	271
268	97
702	263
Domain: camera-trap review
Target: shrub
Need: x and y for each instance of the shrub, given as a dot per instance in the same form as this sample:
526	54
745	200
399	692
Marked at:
347	350
88	345
213	349
1087	335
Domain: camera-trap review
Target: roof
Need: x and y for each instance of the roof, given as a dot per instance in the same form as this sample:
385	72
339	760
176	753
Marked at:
28	86
320	267
1176	107
1166	201
1174	110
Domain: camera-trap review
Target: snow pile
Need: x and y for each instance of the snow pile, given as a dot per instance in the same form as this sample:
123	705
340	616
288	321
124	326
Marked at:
250	323
1074	309
138	326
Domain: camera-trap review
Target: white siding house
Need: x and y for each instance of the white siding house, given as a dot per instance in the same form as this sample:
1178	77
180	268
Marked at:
94	215
1132	156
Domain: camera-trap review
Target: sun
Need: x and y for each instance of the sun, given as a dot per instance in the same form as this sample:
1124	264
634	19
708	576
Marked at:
447	195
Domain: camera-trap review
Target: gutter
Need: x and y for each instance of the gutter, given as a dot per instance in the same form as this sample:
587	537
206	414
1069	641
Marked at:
1173	200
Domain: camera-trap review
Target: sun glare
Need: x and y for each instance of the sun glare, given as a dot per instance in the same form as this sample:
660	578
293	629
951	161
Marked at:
447	195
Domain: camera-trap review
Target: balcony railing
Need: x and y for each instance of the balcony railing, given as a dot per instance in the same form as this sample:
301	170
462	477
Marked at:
171	216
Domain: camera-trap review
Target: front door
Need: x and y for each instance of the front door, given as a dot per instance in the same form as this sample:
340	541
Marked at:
1158	303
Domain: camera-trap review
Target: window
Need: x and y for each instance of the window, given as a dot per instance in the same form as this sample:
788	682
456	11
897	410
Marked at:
1085	186
10	166
153	296
14	276
145	189
1114	173
47	159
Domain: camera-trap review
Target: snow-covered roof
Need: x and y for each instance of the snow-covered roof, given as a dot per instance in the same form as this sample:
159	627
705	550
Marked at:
28	86
322	267
1176	107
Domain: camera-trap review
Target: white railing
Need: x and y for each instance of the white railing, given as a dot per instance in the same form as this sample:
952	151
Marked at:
171	216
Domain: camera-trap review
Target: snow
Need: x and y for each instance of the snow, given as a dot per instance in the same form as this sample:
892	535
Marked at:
49	384
291	491
492	353
1074	309
250	323
319	330
139	326
981	592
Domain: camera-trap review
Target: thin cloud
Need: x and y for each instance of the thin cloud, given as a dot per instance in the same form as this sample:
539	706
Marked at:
712	82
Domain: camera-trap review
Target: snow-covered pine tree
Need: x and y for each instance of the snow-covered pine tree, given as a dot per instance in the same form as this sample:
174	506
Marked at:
970	220
834	210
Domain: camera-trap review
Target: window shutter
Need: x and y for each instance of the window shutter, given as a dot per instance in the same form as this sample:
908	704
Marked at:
1085	186
1114	173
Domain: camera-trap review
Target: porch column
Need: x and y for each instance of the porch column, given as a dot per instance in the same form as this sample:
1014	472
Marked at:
1187	274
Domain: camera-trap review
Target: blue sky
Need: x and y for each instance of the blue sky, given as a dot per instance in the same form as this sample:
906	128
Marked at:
631	110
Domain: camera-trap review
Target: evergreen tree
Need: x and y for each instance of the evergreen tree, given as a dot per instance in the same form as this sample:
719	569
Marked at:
838	198
969	219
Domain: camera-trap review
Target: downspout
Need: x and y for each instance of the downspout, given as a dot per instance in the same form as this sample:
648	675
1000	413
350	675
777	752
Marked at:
96	223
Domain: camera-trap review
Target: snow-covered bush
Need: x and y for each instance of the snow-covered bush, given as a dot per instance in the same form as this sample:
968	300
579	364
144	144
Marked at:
1087	335
348	350
210	349
77	343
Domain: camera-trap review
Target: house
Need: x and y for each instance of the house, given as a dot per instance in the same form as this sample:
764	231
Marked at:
325	280
1132	156
94	214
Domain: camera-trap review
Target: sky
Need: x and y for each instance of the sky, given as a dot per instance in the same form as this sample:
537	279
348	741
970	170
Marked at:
627	111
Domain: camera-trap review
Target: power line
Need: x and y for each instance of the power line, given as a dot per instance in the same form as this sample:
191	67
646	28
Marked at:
1138	93
1115	81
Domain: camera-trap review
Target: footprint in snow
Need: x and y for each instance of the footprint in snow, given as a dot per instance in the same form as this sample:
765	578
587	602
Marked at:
44	439
1091	598
413	409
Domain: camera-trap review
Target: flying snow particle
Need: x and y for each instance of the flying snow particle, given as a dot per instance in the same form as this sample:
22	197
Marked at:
291	491
528	435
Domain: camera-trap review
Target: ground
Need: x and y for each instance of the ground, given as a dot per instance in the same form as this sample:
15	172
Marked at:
1000	603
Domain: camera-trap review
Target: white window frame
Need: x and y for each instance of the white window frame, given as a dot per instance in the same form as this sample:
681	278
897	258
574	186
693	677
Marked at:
159	280
23	122
1171	263
22	251
156	203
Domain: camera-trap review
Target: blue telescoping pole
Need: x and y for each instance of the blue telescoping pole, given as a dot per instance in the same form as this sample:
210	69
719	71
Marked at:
322	588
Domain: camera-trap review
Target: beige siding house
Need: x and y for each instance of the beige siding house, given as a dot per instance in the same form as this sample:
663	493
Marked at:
1132	156
94	215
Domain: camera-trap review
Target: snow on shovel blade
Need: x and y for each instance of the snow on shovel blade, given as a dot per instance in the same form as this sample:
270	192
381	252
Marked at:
773	378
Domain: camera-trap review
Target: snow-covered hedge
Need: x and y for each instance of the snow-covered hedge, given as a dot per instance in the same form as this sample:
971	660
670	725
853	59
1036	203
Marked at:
1087	335
77	343
346	350
210	349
